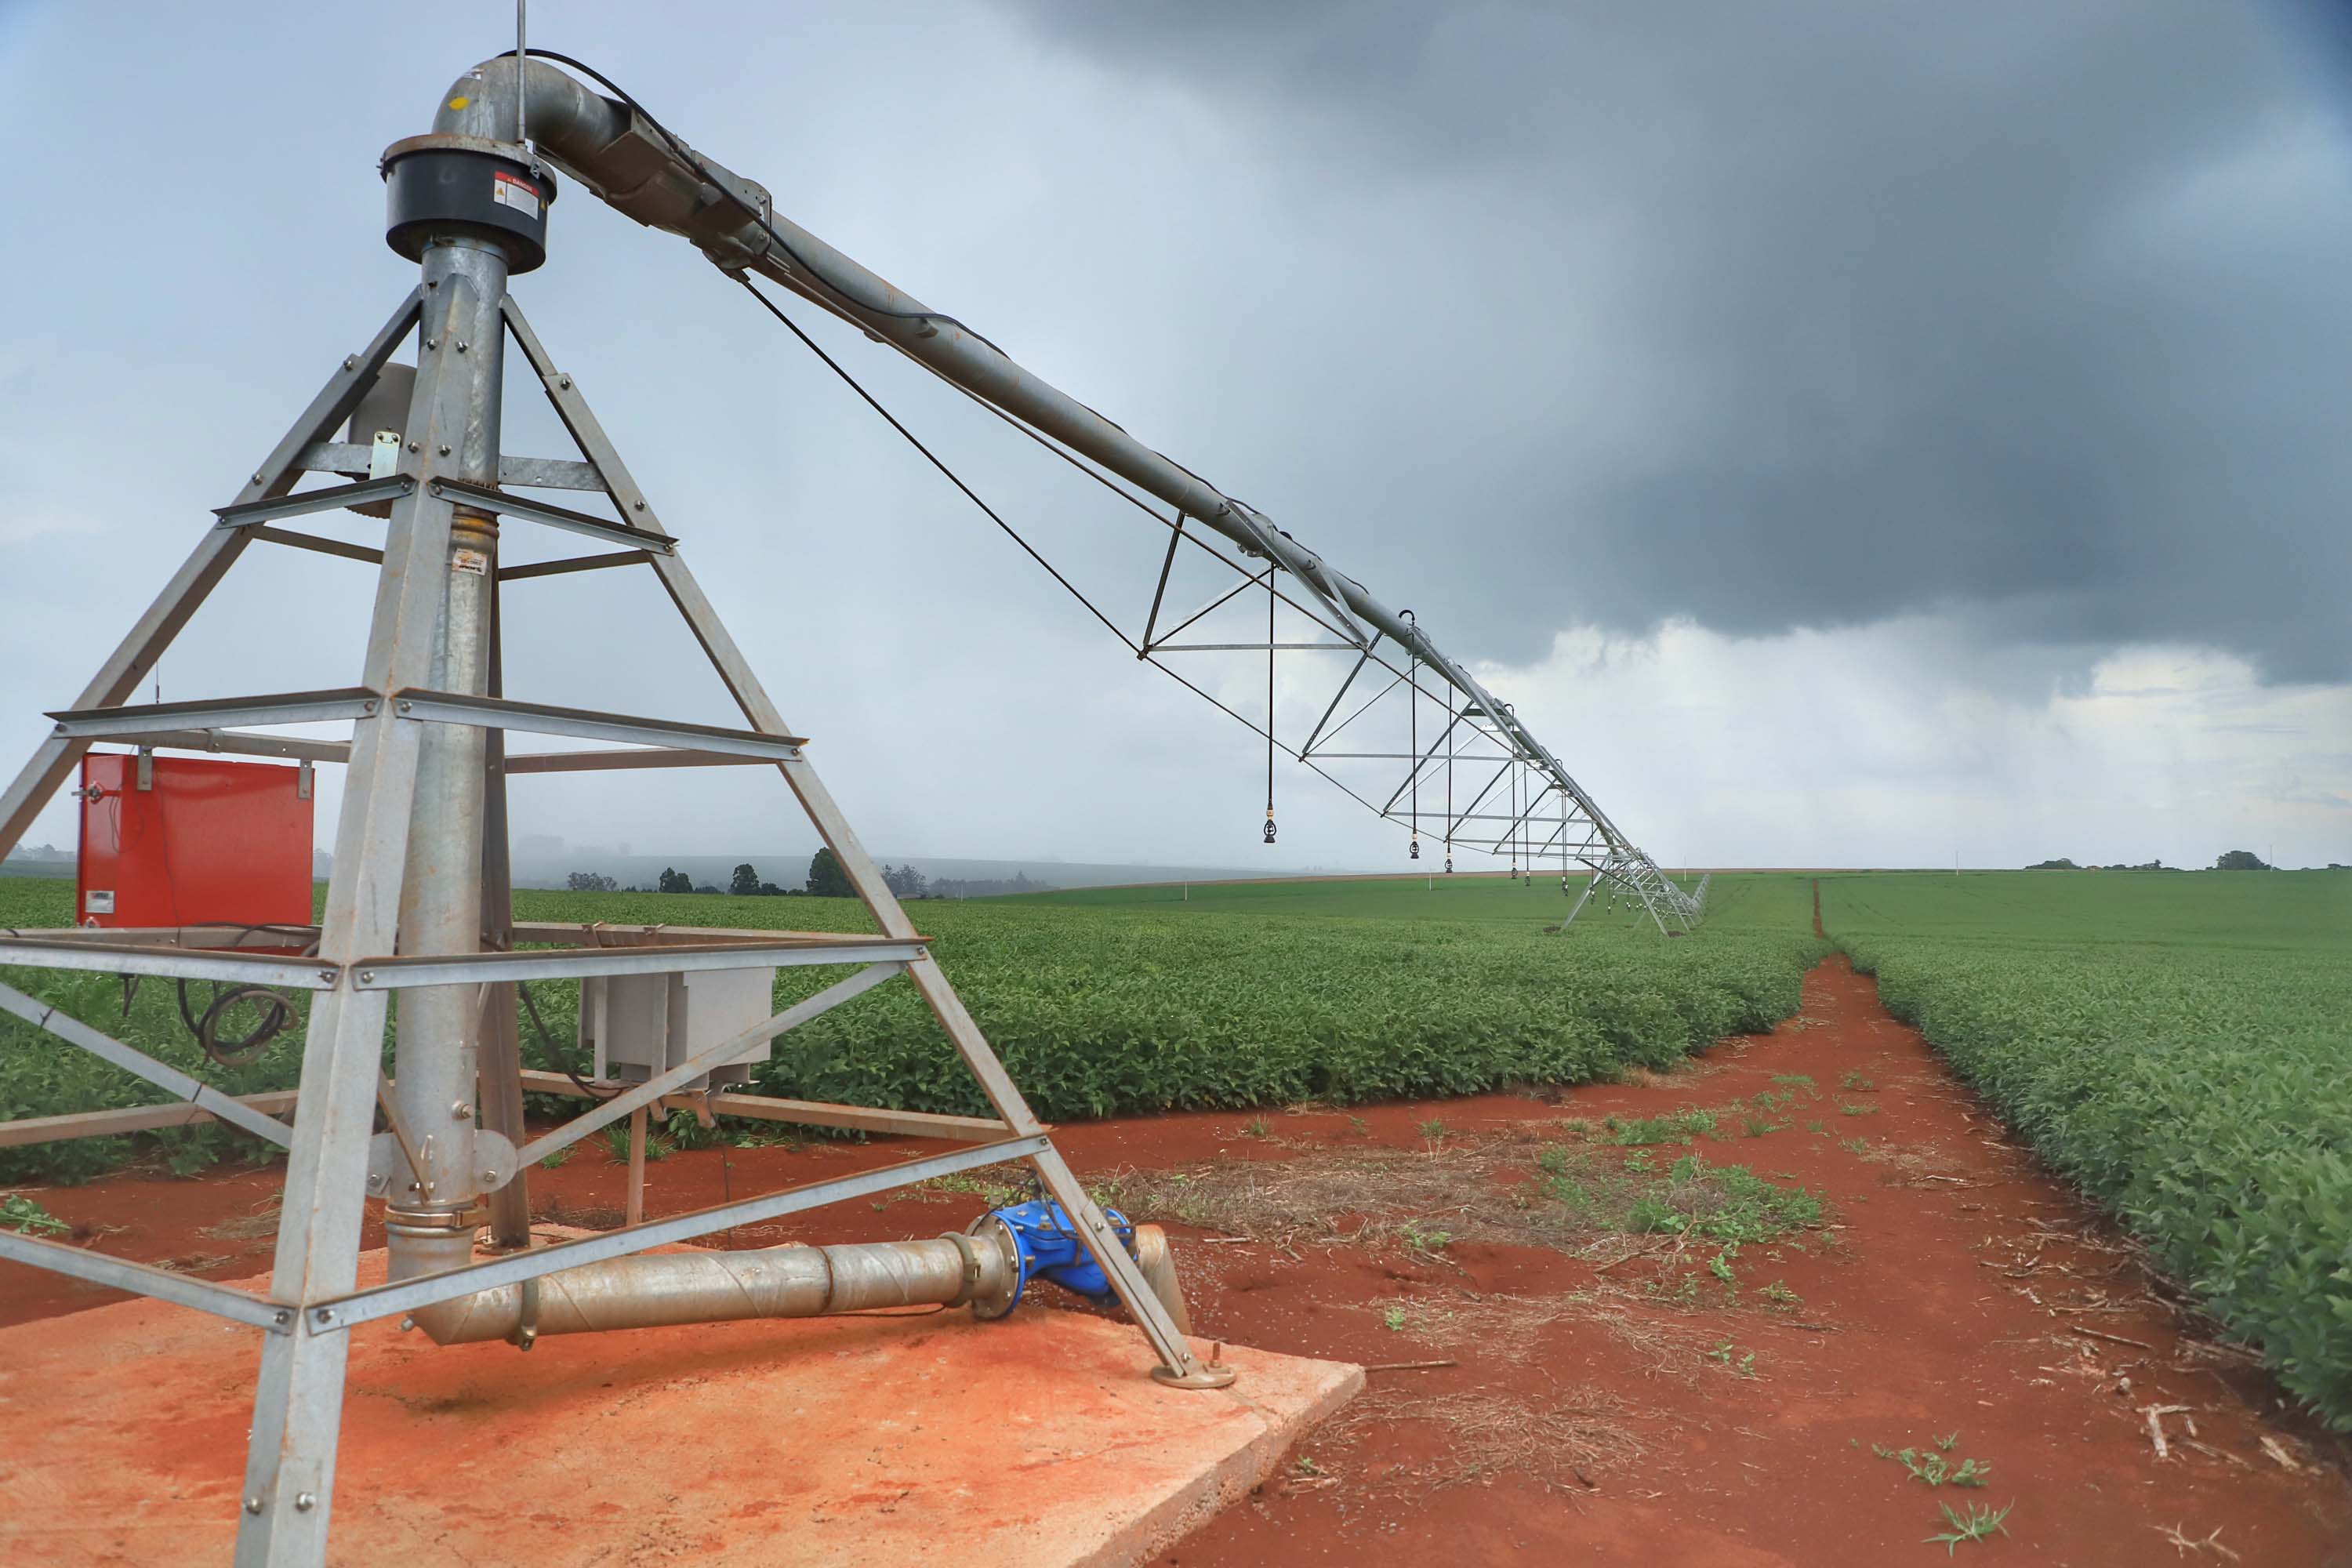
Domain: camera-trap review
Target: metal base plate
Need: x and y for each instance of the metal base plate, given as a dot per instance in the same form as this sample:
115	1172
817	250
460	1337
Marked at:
1209	1374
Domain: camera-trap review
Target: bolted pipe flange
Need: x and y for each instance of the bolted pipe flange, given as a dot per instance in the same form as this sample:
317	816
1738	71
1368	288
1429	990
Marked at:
988	1230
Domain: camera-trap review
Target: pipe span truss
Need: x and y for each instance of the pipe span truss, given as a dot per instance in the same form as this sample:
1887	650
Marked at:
1472	775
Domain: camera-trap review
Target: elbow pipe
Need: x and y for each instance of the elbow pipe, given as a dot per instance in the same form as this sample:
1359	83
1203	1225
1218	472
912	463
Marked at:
610	148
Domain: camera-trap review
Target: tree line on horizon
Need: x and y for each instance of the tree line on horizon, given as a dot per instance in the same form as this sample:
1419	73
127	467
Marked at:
2228	860
825	879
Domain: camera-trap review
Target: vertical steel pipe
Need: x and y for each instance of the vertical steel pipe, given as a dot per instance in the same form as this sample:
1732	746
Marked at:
441	887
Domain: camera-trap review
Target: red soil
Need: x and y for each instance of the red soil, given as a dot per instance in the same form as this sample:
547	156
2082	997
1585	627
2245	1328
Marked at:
1953	1287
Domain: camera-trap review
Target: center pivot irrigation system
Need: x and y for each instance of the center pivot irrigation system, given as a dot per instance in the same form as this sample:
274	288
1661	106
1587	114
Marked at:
419	902
1482	782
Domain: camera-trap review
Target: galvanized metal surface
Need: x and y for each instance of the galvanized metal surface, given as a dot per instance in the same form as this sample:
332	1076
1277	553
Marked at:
234	743
493	500
803	1112
574	563
460	708
603	761
360	492
395	1300
114	1123
318	546
298	1401
121	1274
701	1061
656	1291
66	950
133	722
530	473
441	885
402	973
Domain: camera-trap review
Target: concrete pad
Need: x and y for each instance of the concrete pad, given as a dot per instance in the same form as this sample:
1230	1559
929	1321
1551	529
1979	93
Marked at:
1040	1440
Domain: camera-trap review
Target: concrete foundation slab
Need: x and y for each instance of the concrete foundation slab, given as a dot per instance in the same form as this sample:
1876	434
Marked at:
1040	1440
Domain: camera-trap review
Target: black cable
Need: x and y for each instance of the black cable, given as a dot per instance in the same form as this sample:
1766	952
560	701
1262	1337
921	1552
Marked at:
933	458
686	155
277	1013
547	1044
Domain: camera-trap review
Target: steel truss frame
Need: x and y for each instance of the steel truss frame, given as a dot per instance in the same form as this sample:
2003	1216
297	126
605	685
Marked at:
354	966
1548	816
1477	727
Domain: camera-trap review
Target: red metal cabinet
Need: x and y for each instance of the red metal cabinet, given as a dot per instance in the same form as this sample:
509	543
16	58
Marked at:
204	841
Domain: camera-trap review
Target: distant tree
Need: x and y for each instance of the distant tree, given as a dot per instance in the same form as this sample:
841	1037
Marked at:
676	881
904	881
745	883
591	883
710	887
2059	864
2240	860
769	890
826	879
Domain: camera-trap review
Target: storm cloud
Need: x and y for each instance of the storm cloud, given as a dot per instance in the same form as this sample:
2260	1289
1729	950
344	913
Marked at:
1777	317
1861	434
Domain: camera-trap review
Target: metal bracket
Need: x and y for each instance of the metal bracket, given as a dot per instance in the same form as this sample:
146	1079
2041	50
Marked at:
146	767
563	516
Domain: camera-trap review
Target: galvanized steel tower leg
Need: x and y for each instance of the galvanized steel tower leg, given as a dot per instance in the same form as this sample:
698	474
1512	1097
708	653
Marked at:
297	1404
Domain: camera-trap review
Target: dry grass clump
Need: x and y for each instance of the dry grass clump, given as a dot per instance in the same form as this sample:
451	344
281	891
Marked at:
1511	1327
1557	1438
1563	1185
1910	1168
1452	1192
262	1221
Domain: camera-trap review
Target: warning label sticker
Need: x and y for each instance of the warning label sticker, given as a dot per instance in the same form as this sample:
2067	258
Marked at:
508	191
98	901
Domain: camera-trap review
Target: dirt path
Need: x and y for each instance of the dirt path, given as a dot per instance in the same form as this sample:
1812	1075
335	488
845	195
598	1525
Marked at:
1953	1289
1608	1404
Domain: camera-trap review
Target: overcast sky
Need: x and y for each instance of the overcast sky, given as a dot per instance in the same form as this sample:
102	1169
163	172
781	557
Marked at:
1851	433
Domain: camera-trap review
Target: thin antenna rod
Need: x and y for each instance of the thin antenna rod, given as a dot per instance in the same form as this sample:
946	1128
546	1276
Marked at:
521	51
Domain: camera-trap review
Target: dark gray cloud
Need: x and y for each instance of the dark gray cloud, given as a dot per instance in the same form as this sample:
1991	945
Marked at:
2017	336
1813	315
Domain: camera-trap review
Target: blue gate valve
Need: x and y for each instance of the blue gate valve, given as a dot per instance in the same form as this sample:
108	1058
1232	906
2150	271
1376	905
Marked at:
1045	1245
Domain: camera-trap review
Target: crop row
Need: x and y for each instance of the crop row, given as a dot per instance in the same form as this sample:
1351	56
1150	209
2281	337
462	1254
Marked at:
2199	1092
1095	1012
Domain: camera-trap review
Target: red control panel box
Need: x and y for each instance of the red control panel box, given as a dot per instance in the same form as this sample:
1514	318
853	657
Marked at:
171	841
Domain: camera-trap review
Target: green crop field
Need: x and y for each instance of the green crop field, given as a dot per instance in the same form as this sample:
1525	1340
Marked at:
2178	1044
1746	901
1102	1005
